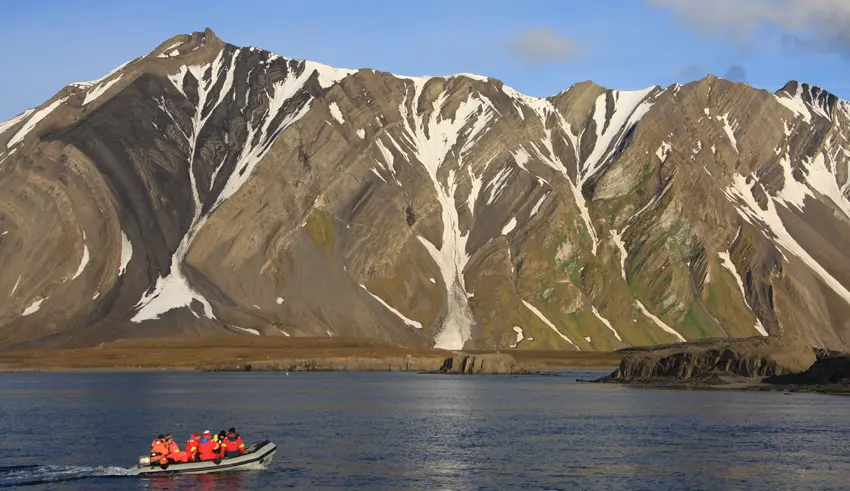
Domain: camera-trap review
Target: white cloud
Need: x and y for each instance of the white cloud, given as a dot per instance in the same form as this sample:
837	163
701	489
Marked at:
821	24
543	45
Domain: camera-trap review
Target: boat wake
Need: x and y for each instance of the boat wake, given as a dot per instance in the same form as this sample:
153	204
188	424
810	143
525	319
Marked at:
31	475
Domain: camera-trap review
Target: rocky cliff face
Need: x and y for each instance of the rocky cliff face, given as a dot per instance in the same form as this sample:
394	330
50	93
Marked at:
205	187
698	360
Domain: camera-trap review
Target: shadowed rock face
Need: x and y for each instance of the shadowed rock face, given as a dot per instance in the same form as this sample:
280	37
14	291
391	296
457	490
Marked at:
685	362
208	188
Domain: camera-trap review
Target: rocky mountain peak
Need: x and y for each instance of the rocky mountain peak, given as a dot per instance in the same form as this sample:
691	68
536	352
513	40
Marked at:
208	188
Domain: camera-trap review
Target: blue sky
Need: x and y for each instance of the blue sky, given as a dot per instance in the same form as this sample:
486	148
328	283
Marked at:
536	46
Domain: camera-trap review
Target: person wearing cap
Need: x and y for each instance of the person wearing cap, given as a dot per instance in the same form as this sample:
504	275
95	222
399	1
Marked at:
206	447
174	454
159	450
192	447
232	445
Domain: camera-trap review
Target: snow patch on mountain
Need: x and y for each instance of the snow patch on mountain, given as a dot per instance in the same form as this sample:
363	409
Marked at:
33	121
606	322
546	321
658	322
509	227
406	320
8	125
84	260
519	336
726	262
126	253
430	137
33	308
17	282
98	91
336	113
740	193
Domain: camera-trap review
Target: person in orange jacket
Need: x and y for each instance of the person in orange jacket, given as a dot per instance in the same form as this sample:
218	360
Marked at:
192	447
232	445
159	450
174	454
206	447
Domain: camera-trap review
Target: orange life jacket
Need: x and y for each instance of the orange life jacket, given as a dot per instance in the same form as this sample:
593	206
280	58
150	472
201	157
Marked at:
158	447
206	448
191	448
231	444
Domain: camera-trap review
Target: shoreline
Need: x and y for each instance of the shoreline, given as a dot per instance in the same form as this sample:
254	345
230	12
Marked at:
232	353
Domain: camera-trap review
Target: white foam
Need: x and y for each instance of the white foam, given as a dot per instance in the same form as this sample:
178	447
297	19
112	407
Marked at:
546	321
406	320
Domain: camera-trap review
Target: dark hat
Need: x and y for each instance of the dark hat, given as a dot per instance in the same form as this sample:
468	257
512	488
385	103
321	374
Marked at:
232	430
160	437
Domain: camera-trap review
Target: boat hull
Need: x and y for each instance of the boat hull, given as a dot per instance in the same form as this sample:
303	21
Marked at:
257	457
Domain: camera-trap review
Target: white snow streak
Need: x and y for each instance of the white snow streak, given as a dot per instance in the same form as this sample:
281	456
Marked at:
658	322
617	238
98	91
519	336
361	133
726	262
6	126
546	321
752	213
336	113
409	322
17	282
729	128
538	205
760	328
509	227
34	120
795	103
126	253
430	141
34	307
279	301
83	261
249	331
606	322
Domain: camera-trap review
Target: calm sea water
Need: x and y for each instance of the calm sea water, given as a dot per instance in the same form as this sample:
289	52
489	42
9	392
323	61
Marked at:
407	431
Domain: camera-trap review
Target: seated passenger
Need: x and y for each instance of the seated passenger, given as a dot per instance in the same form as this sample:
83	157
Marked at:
174	454
192	447
232	445
159	450
206	447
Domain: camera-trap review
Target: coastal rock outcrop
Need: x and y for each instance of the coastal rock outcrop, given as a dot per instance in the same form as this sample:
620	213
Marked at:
490	364
692	362
834	369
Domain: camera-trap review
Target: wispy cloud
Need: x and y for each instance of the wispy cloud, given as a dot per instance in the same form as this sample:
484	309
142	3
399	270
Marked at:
543	45
822	25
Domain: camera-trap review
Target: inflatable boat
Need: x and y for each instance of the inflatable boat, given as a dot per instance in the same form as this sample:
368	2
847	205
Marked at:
257	457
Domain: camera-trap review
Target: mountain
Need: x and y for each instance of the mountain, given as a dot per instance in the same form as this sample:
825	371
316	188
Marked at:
207	188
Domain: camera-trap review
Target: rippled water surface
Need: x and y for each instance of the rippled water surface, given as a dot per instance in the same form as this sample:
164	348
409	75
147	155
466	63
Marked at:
407	431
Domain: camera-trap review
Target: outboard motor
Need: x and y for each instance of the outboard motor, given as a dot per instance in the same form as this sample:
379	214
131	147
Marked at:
144	461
